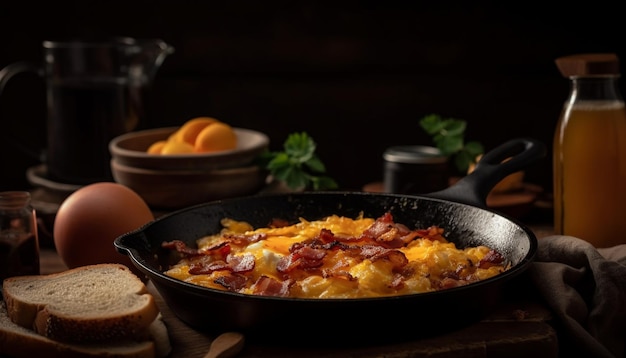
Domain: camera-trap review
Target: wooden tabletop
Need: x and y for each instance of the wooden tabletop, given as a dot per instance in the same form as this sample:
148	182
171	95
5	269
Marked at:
519	327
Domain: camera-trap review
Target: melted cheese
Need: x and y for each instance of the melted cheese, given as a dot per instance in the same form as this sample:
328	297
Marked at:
430	262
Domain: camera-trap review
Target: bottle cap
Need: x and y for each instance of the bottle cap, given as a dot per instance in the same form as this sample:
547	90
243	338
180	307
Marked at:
588	64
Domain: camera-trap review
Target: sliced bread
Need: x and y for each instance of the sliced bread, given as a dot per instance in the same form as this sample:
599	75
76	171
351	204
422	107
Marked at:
19	342
88	304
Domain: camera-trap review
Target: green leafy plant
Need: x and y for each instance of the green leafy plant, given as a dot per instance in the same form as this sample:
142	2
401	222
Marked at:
298	166
448	136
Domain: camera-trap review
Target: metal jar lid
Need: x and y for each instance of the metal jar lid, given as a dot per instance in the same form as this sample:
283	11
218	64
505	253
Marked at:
414	154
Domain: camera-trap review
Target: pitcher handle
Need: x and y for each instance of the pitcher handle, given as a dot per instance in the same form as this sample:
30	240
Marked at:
6	74
15	68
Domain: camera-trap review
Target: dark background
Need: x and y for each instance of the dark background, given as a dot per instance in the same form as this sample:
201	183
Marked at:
356	75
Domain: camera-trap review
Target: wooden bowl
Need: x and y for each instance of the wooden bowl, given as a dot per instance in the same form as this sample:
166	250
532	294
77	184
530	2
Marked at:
175	189
130	150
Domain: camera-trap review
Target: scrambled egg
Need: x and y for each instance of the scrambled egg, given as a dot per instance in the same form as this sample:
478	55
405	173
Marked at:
430	265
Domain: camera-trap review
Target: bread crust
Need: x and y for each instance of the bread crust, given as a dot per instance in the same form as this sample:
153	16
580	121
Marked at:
75	317
19	342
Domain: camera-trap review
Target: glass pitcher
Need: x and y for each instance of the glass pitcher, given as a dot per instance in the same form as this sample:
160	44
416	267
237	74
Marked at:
94	93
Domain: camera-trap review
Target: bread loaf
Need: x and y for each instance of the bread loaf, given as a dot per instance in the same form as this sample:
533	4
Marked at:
19	342
88	304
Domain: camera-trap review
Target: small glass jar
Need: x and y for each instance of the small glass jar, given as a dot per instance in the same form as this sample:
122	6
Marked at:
19	243
414	169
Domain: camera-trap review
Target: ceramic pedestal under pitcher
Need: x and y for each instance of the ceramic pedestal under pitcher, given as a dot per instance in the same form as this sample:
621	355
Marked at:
94	92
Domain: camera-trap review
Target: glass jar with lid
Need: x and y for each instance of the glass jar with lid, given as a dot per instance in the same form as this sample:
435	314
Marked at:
415	169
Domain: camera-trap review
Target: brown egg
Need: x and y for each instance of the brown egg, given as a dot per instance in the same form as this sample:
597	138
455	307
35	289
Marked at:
91	218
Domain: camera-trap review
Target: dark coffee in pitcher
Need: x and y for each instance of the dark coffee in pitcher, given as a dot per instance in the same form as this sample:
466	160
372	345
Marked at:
94	93
83	116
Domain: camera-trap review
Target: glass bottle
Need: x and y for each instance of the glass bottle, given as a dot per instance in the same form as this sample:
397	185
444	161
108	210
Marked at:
589	151
19	244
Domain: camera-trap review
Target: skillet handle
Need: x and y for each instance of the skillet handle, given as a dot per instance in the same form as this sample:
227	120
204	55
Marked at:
473	188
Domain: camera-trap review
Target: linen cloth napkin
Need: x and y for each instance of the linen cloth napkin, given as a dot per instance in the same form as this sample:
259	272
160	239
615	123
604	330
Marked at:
585	288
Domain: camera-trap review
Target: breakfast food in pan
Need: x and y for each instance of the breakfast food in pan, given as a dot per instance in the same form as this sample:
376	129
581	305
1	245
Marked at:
96	310
335	257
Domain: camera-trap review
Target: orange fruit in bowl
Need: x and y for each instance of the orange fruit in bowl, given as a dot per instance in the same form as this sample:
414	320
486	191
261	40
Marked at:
197	135
189	131
176	147
156	147
215	137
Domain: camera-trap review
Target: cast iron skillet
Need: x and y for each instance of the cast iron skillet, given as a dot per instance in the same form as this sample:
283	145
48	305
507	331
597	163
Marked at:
460	210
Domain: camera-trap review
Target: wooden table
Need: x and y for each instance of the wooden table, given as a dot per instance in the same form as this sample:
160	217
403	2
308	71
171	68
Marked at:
519	327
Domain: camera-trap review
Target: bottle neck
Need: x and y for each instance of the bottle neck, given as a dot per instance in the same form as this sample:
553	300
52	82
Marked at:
600	88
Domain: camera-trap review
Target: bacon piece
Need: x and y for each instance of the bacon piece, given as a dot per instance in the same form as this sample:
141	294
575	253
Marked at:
326	236
218	251
397	258
233	263
325	240
241	263
310	258
267	286
181	247
397	282
389	233
449	282
380	227
217	244
287	263
337	272
492	258
309	253
391	239
451	274
316	243
243	239
205	267
232	282
465	270
371	251
434	233
303	257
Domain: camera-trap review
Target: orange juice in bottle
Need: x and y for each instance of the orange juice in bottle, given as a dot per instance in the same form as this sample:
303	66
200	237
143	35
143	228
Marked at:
589	153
